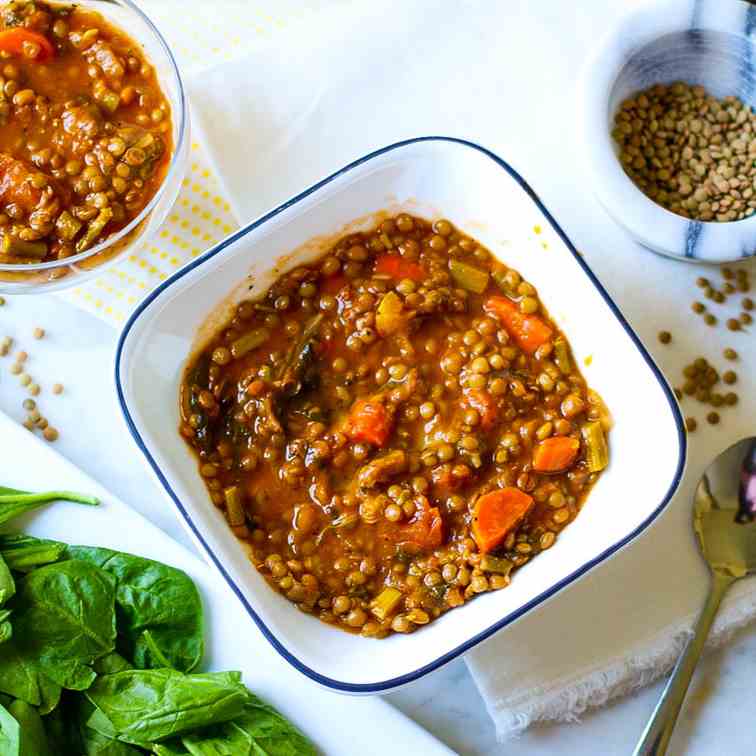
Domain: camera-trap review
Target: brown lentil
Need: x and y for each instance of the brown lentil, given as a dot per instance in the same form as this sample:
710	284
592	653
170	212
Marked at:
382	521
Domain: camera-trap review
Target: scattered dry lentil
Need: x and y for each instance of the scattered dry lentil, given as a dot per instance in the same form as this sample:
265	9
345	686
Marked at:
698	307
746	318
733	324
712	418
710	319
15	368
29	404
690	424
665	337
38	332
729	377
730	354
34	389
22	356
57	388
25	379
747	303
50	434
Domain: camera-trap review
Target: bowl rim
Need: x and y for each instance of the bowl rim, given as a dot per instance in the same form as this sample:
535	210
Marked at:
173	167
616	196
387	685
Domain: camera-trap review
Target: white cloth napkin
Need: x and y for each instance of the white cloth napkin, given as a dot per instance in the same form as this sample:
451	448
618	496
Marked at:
504	75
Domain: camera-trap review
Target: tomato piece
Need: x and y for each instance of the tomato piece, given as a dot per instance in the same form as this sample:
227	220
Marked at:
398	268
13	41
369	421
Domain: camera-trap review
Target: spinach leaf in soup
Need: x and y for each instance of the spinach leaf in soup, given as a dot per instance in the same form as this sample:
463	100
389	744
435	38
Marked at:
147	706
21	676
34	740
111	663
159	610
64	617
23	553
260	731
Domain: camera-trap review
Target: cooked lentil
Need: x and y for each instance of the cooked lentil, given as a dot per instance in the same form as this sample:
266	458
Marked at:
80	153
358	452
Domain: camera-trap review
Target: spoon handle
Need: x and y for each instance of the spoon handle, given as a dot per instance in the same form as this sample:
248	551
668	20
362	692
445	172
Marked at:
658	732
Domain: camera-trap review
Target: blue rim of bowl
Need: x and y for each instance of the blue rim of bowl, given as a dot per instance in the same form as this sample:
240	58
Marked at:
387	685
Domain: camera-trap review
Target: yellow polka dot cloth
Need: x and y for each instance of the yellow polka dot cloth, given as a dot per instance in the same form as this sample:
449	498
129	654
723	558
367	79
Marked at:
201	34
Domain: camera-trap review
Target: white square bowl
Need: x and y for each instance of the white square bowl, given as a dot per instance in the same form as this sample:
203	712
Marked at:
482	195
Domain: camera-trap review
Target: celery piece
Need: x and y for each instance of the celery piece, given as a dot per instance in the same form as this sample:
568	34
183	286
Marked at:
499	565
386	602
596	451
467	277
249	341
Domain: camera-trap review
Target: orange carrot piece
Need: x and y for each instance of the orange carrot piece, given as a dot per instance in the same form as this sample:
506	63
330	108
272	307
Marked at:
482	401
395	267
528	331
369	422
555	454
496	514
12	41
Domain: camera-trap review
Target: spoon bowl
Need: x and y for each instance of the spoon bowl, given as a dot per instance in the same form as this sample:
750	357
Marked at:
723	512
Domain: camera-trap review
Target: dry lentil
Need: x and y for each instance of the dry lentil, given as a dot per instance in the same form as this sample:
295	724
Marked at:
667	137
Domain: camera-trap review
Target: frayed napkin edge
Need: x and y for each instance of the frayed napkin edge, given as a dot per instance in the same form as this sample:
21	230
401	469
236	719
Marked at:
572	697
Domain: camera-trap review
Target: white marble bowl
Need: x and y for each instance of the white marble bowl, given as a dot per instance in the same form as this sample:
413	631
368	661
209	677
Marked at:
433	177
707	42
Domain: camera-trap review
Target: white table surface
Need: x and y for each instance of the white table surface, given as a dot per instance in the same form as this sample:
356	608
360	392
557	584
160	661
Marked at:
78	351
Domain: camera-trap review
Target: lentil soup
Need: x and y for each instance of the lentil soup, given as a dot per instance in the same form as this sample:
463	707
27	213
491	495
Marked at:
394	428
85	131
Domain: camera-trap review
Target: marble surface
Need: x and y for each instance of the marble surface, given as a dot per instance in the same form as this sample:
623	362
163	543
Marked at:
78	351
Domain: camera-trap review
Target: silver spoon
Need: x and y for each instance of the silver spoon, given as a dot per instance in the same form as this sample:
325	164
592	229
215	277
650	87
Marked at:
725	502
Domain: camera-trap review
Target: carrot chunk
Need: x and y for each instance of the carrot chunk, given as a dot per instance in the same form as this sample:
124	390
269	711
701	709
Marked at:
369	421
555	454
496	514
528	331
18	41
395	267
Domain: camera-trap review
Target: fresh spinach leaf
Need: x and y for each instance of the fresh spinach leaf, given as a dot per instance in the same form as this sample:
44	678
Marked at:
64	617
148	706
95	744
10	734
7	584
22	677
23	553
260	731
6	629
111	663
171	748
33	737
14	503
159	610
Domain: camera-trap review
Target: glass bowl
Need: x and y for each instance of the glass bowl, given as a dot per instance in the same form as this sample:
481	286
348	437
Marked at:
33	278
